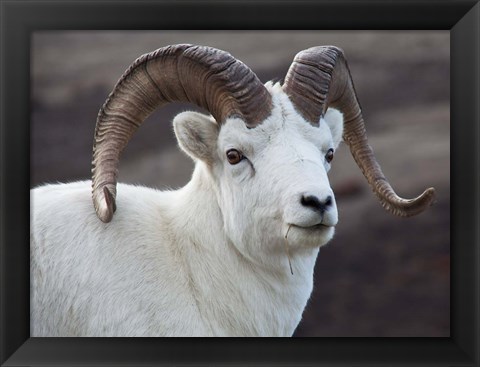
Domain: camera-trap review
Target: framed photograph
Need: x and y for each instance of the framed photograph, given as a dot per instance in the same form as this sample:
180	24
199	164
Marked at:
386	289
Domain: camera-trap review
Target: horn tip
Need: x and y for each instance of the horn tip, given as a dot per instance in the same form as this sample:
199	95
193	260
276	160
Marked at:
429	196
410	207
105	206
421	203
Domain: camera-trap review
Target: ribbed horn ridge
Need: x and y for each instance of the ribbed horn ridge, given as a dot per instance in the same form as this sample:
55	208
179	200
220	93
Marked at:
205	76
319	78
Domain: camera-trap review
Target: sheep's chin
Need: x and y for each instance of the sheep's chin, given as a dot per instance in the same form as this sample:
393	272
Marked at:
314	236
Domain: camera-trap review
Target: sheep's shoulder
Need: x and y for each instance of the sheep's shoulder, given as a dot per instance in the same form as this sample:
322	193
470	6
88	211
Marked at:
107	271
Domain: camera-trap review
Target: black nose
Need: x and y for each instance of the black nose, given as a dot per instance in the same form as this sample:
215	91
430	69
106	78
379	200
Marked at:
311	201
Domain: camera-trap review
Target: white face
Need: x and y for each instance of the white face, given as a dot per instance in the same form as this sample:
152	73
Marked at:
273	178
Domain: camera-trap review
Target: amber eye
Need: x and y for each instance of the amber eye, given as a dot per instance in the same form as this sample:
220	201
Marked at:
234	156
329	155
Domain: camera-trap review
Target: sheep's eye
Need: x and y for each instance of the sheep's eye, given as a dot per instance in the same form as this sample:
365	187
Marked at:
234	156
329	155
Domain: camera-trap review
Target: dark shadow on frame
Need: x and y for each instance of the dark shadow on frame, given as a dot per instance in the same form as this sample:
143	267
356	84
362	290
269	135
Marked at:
20	18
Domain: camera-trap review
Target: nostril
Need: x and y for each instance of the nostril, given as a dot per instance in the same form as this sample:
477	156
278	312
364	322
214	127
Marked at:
311	201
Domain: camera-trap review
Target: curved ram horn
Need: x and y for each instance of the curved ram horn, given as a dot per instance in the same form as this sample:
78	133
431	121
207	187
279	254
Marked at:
319	78
207	77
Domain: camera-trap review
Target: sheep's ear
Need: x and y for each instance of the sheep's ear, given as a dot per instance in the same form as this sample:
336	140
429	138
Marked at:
197	135
334	120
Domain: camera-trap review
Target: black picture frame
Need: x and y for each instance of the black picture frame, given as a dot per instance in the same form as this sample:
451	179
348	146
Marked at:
19	18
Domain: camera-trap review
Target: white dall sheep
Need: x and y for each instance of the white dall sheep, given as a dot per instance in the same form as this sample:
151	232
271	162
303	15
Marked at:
213	258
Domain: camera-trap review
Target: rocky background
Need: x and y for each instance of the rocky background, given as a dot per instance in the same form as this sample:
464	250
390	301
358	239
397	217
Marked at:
381	275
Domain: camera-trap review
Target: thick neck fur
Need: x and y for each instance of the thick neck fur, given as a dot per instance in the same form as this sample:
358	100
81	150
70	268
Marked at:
237	296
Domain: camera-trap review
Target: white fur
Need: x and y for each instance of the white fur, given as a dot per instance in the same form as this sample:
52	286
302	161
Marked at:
209	259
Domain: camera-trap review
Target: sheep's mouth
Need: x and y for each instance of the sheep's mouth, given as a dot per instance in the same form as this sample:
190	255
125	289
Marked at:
309	236
319	226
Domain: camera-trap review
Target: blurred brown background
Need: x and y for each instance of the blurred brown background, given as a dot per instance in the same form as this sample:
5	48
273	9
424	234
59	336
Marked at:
381	275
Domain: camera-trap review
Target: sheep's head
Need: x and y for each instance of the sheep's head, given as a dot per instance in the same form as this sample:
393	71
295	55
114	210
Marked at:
269	179
277	139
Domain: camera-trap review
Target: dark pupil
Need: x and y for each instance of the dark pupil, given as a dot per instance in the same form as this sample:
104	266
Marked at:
233	156
329	155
